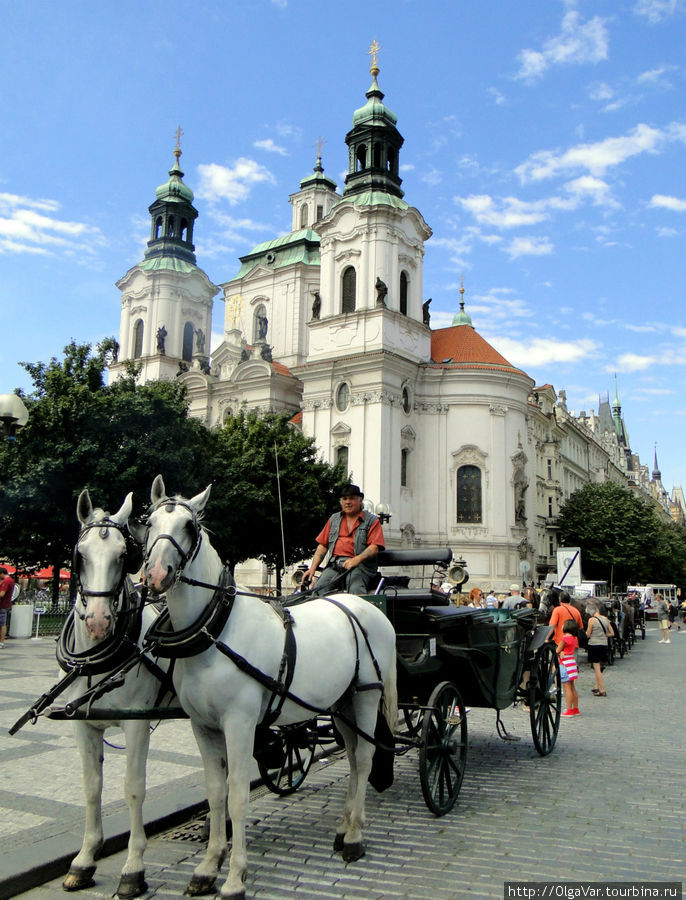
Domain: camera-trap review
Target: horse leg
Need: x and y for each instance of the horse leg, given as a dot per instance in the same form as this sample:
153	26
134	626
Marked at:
132	881
349	739
213	751
360	754
82	869
239	745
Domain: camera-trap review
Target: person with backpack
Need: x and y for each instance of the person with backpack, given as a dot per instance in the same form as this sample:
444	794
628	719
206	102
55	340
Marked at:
598	631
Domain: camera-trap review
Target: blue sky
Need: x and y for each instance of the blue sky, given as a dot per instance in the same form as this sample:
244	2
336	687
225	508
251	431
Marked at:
545	145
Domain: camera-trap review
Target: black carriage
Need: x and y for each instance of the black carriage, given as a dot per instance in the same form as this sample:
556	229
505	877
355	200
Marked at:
449	658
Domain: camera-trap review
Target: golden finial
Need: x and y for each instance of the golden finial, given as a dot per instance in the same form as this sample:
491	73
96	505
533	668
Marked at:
373	50
462	293
177	149
319	143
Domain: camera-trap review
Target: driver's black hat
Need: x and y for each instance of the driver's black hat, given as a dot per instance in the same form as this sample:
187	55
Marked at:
351	490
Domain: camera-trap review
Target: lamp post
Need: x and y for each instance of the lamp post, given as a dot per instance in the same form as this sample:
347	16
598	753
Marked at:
13	415
382	510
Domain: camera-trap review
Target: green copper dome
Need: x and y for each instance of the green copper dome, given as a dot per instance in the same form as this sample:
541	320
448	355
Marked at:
174	189
462	318
374	112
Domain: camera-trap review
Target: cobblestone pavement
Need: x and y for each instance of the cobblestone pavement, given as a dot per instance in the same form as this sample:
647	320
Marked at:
608	804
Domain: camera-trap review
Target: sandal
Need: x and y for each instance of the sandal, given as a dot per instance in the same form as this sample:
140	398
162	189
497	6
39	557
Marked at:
600	693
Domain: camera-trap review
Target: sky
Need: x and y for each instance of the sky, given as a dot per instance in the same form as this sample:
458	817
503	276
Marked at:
545	146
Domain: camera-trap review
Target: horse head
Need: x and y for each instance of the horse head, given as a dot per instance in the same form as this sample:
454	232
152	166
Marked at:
105	551
172	536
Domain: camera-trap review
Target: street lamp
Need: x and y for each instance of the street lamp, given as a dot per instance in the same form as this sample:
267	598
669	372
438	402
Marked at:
382	510
13	415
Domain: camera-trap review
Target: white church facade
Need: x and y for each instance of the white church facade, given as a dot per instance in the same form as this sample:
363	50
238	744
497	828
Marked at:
330	323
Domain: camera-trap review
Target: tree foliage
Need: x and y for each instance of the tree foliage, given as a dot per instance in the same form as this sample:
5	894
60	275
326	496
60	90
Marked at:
83	433
623	538
244	513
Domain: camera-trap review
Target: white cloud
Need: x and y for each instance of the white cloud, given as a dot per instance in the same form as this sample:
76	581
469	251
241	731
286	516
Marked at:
540	352
632	362
24	230
232	183
661	201
587	187
511	213
657	10
531	246
269	145
598	157
432	177
577	43
656	76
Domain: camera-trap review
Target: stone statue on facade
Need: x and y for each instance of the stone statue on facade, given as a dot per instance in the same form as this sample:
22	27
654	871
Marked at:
316	306
200	342
161	337
426	315
262	326
266	353
381	292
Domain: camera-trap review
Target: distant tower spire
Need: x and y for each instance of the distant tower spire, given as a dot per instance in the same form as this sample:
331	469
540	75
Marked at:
173	215
657	474
462	318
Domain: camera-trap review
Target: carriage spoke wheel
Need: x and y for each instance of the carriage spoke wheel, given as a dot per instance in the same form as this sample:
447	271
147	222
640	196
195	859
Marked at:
545	699
284	766
443	748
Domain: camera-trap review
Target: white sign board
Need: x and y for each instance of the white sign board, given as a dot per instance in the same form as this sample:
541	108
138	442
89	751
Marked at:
568	566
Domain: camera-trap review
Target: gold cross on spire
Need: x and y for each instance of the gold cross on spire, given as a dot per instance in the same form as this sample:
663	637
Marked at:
373	50
179	132
319	144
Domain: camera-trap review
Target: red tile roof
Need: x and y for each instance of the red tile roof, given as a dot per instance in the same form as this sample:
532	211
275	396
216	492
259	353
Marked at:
463	347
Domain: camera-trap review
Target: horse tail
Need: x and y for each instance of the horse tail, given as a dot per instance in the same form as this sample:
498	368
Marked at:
390	696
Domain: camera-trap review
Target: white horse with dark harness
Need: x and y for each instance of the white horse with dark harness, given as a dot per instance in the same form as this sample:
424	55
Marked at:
102	638
236	667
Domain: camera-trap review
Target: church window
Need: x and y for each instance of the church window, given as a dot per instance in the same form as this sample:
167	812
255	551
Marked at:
158	227
303	216
342	455
407	400
183	234
343	396
187	352
361	158
468	494
349	290
138	339
377	155
403	293
391	165
170	226
549	464
404	461
320	212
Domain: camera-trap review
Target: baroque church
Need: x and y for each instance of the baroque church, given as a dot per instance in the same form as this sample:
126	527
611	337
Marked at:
330	323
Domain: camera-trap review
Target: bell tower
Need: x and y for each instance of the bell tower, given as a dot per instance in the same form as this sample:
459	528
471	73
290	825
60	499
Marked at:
166	315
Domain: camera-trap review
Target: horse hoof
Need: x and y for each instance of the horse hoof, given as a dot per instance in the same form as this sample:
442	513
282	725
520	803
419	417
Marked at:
199	885
338	842
132	884
234	895
352	852
78	878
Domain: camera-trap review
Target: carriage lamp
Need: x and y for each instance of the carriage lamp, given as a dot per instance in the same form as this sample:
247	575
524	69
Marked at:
13	415
383	511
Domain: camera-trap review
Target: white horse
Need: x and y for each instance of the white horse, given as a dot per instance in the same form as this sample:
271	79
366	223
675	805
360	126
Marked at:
106	611
336	661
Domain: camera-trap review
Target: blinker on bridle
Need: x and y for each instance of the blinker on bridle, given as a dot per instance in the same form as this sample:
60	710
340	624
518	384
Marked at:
186	556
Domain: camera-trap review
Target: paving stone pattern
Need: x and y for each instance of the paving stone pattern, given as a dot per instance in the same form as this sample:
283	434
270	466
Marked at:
608	804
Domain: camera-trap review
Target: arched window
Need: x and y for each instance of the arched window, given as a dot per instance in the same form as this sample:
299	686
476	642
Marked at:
187	351
392	165
158	227
303	216
361	158
349	290
469	494
377	155
138	339
183	234
403	293
342	454
170	226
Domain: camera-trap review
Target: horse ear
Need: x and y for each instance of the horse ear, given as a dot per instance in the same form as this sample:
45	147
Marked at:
158	491
125	511
199	502
84	507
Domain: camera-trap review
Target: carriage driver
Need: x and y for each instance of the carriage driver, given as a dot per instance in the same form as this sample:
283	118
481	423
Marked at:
353	537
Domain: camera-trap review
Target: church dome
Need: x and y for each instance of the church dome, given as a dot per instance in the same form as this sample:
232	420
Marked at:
174	189
374	112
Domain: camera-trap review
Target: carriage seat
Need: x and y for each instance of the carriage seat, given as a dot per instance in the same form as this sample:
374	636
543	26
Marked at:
416	598
427	556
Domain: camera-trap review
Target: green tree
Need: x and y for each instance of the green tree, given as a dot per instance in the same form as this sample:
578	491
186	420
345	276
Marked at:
244	513
83	433
622	536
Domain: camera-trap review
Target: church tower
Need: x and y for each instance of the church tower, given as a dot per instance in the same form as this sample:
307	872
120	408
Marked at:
369	336
166	315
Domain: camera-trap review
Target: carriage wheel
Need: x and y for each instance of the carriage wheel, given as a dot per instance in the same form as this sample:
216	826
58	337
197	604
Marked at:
545	699
288	758
443	749
412	717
